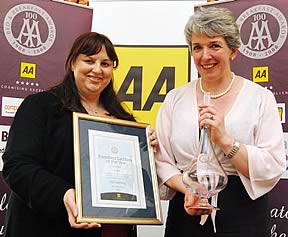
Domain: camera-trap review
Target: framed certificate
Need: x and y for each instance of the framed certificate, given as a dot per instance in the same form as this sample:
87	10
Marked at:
115	174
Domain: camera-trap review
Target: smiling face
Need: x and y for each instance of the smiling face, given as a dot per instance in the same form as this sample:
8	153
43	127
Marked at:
212	56
92	73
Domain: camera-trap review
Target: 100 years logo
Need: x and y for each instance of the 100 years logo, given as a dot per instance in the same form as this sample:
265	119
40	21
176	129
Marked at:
29	29
268	31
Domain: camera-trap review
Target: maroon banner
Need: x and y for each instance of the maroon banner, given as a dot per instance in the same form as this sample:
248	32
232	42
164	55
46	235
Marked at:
262	58
263	54
4	195
35	38
279	212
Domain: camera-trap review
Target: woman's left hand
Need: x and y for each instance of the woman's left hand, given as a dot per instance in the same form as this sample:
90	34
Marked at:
214	119
153	139
190	205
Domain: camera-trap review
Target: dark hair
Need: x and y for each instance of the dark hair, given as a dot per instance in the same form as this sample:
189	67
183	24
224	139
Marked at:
90	43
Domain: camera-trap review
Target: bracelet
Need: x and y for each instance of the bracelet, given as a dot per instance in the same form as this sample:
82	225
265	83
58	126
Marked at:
234	150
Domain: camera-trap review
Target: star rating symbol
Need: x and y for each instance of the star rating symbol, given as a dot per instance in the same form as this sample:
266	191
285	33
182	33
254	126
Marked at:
27	83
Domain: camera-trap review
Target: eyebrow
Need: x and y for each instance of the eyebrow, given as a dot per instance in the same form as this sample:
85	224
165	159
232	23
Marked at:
216	41
91	57
212	42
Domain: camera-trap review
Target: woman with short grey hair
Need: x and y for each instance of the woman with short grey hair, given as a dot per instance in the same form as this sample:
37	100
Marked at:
214	22
249	148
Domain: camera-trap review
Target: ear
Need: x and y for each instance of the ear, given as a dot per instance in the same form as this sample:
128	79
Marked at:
72	67
233	53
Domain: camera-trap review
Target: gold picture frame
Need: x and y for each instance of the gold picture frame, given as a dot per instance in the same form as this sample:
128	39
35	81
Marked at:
115	173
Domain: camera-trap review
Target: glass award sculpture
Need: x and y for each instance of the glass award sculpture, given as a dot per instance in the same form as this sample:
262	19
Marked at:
205	176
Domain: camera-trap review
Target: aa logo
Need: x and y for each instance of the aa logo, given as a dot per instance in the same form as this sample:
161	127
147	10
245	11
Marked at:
260	74
146	74
28	70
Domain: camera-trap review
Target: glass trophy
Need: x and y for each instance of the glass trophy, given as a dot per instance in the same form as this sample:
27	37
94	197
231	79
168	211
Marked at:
205	176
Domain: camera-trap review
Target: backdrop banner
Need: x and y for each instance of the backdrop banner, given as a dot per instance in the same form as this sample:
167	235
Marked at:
35	38
262	58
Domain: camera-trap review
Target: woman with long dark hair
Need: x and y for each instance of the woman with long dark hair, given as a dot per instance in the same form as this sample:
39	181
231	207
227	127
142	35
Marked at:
39	158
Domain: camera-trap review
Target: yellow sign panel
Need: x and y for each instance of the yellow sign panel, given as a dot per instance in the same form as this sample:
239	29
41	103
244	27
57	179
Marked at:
145	75
28	70
281	111
260	74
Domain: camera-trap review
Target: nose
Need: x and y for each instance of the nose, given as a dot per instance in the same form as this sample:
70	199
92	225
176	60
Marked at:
206	54
96	67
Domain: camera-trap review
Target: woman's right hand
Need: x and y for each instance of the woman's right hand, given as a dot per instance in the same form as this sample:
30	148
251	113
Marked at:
71	208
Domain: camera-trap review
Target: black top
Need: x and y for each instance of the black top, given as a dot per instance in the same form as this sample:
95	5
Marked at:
39	168
239	215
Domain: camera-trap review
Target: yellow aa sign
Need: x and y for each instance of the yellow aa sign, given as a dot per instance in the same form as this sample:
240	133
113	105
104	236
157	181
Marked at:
260	74
146	74
28	70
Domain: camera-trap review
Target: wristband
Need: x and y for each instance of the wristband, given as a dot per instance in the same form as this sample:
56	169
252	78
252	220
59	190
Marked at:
234	150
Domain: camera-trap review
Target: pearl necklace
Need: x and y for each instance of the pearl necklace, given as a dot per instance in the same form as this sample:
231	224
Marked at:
215	96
